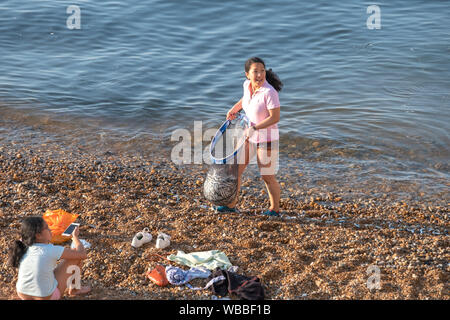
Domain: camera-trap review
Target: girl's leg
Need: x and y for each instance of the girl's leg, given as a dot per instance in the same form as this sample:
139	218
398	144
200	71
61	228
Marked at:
243	161
267	156
66	269
273	188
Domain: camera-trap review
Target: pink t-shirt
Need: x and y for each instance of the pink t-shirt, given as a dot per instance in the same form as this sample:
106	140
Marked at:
257	109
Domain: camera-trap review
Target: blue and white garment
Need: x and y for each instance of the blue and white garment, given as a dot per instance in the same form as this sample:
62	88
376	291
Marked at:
178	276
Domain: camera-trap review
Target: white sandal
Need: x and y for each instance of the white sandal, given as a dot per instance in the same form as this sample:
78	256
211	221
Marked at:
162	241
141	238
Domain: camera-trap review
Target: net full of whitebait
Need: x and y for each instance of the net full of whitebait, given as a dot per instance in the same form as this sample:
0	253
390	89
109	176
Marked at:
220	186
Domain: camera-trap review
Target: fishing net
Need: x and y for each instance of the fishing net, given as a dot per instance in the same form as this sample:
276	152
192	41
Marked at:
220	186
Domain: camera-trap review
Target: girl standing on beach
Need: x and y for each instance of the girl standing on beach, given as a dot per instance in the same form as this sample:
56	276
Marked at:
262	106
36	259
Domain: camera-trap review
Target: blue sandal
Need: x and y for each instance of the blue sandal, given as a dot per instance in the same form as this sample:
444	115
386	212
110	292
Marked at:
271	213
224	209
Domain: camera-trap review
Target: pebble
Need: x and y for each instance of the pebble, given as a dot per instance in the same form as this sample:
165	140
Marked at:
320	240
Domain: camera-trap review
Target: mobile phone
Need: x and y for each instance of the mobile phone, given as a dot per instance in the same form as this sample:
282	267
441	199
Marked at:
69	230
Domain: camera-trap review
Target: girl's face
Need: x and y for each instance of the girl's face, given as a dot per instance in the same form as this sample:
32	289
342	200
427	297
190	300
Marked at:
256	74
45	235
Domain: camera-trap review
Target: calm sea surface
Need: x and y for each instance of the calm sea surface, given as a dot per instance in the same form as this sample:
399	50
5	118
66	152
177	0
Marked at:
375	100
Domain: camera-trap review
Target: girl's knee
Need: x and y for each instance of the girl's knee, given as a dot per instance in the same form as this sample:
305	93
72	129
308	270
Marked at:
67	272
242	168
269	178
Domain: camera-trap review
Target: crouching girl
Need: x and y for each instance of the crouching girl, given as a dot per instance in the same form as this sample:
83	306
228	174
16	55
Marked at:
40	277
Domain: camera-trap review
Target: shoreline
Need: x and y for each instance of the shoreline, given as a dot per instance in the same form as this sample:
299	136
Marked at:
320	248
308	166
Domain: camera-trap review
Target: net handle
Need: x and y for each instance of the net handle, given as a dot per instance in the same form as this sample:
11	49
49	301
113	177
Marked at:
220	132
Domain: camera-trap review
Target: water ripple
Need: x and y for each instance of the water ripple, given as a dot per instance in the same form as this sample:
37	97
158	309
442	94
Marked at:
138	65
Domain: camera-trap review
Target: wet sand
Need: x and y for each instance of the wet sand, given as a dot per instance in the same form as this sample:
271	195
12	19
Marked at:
321	247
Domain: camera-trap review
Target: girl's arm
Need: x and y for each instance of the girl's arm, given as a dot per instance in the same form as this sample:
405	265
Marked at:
236	108
274	117
78	252
74	254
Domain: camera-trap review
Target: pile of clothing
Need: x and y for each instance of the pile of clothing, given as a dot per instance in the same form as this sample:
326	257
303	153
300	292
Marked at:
246	288
215	267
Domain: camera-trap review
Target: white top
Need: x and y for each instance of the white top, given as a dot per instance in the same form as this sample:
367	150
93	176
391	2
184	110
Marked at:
36	277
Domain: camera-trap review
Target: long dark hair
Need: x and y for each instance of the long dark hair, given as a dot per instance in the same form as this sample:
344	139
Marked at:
271	76
30	227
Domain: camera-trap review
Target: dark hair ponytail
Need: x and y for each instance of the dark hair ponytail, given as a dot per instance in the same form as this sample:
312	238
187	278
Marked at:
16	252
271	77
30	227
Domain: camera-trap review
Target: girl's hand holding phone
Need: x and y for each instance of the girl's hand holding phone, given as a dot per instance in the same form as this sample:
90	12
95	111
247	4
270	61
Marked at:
76	232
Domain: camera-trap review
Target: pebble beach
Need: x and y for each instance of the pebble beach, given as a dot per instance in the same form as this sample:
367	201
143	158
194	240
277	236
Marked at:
323	246
93	103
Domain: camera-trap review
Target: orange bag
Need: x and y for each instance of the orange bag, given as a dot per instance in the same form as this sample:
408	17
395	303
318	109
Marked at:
158	276
58	221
